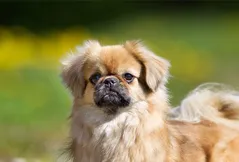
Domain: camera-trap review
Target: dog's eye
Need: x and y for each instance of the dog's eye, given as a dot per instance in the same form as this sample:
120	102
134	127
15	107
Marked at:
128	77
94	78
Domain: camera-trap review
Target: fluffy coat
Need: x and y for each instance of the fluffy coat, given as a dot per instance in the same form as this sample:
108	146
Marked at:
147	130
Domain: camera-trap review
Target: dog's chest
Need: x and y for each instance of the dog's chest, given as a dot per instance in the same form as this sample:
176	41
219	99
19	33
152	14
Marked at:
107	142
116	141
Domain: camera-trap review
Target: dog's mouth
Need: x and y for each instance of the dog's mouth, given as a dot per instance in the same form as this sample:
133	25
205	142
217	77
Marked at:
111	98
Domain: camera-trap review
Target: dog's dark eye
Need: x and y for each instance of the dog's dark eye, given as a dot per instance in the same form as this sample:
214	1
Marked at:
128	77
94	78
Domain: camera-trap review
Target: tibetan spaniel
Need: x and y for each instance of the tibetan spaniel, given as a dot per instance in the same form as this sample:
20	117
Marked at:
121	112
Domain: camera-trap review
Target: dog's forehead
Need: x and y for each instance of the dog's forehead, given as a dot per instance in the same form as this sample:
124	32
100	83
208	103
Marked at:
116	59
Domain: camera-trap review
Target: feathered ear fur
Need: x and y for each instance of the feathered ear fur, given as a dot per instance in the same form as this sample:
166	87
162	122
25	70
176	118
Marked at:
72	71
156	68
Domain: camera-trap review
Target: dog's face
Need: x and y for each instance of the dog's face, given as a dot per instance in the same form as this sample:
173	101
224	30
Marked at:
113	77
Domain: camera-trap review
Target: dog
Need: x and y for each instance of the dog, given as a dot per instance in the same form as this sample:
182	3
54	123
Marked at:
121	110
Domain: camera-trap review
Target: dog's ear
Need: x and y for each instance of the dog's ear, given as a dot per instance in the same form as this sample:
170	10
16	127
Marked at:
72	70
155	67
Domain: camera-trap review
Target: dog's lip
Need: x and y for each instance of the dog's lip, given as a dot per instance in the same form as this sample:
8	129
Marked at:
111	90
111	93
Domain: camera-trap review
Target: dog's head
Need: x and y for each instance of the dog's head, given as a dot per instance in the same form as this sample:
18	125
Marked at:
113	77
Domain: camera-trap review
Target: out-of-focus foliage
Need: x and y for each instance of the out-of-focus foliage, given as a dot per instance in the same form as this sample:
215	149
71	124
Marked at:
21	48
34	105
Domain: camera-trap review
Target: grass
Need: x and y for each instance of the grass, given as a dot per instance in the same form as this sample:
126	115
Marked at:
33	114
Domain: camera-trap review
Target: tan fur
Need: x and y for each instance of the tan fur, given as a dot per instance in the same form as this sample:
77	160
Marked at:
211	101
141	131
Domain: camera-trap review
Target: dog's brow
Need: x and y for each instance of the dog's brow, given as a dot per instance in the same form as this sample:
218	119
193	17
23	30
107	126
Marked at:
134	72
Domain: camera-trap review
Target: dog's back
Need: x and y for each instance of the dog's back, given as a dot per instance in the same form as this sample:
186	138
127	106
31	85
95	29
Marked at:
209	116
214	102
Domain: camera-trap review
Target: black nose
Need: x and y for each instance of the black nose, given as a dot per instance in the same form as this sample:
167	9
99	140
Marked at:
110	81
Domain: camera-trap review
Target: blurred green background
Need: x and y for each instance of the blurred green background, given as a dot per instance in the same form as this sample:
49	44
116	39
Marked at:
200	39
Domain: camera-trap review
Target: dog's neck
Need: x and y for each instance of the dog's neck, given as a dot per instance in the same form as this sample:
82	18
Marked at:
126	136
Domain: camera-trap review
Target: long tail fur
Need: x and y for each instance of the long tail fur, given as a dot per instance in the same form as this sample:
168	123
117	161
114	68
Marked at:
212	101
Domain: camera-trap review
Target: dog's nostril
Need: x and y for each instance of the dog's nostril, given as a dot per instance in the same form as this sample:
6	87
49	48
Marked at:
110	81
